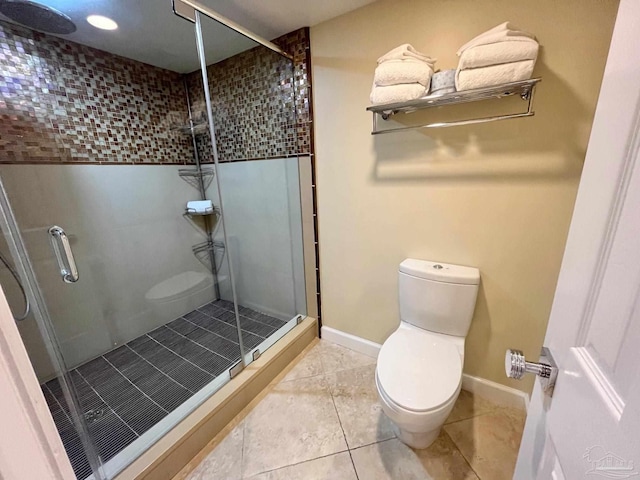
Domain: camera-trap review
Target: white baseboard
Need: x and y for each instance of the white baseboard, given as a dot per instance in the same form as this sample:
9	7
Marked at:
357	344
496	392
492	391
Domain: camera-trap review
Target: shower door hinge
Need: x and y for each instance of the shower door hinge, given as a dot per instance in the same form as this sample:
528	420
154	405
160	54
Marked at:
236	369
299	319
256	354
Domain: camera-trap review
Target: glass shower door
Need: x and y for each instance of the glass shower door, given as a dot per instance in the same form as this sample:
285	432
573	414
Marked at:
249	100
113	219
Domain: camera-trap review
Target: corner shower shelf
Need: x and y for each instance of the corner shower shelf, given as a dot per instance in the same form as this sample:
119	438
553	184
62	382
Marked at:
193	176
525	89
205	251
205	224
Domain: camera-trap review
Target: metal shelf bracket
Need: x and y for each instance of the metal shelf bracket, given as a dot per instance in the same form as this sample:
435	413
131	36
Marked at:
525	89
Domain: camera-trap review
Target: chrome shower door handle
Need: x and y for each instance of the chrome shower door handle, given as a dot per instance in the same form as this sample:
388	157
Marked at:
64	255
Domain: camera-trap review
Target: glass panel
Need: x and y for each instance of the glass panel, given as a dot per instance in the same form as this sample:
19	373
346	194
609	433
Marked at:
254	118
60	391
97	139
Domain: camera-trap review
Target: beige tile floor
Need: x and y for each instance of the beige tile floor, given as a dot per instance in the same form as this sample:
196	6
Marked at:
320	419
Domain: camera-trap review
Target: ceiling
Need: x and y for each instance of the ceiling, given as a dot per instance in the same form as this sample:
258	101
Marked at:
149	31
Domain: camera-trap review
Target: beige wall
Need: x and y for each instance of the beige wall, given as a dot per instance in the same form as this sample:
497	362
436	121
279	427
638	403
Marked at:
496	196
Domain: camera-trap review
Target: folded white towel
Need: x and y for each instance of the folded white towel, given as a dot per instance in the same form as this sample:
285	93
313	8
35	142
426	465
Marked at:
396	72
200	206
501	33
396	93
498	53
406	52
494	75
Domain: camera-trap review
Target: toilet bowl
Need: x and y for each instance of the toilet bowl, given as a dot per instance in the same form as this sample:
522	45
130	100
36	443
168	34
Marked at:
180	294
419	367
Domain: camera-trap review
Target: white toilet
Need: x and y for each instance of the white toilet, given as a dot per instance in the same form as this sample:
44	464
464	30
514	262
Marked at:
419	369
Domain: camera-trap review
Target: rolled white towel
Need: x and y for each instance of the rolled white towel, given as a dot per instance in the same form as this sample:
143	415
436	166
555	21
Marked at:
498	53
405	52
396	93
501	33
396	72
494	75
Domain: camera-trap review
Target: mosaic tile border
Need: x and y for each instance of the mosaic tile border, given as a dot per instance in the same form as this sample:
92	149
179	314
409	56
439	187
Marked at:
62	102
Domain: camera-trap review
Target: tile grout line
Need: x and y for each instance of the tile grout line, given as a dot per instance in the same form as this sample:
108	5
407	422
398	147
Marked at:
455	445
229	325
380	441
353	464
258	321
107	404
468	418
134	385
212	318
375	443
211	331
293	464
199	344
180	356
60	405
170	378
245	317
333	401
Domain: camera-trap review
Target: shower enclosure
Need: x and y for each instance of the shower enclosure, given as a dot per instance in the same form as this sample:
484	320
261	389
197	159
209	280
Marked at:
151	206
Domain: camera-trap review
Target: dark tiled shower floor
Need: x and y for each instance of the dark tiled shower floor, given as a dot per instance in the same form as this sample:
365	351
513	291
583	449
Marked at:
136	385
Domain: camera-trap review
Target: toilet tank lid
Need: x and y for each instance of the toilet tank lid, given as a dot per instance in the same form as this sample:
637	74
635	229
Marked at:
441	272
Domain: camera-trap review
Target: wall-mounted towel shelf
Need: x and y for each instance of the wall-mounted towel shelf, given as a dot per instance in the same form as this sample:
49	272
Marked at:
525	89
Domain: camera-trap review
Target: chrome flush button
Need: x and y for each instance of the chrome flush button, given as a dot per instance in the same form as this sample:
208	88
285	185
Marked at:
437	266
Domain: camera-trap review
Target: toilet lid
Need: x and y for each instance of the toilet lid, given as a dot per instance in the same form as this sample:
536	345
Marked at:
178	285
419	371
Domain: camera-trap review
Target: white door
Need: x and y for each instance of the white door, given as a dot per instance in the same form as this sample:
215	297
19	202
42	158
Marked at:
590	429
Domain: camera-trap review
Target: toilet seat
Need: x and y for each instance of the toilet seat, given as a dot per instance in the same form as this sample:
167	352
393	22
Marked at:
418	371
178	286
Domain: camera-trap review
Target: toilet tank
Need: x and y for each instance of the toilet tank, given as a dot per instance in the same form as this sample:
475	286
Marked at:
438	297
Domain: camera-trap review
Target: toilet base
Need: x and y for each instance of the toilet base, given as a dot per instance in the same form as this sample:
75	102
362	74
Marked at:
417	440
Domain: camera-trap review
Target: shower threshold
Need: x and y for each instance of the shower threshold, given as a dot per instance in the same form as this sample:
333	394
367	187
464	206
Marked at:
127	391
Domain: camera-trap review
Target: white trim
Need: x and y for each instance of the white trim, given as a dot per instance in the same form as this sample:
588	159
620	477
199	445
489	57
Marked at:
357	344
492	391
496	392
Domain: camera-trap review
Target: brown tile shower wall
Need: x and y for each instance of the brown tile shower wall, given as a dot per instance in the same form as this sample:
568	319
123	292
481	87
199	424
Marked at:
261	102
62	102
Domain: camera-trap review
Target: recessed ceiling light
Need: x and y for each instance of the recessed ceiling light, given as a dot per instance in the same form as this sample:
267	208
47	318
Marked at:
101	22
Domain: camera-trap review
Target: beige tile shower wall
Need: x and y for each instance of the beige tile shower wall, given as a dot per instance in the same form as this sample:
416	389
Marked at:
496	196
127	233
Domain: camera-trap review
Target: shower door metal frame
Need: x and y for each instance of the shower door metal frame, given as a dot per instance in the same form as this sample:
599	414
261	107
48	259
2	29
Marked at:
209	12
247	355
216	161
